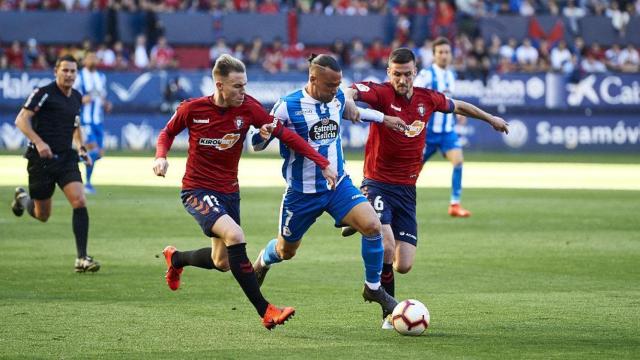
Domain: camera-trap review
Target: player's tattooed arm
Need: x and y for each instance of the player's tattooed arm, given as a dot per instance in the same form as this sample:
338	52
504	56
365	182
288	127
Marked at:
469	110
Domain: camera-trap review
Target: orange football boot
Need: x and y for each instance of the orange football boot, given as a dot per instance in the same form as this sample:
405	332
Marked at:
276	316
173	274
456	210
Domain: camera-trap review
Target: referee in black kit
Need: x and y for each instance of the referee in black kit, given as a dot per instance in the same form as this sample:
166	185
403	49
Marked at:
50	120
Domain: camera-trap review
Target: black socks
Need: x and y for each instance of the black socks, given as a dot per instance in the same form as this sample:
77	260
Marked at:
243	272
80	223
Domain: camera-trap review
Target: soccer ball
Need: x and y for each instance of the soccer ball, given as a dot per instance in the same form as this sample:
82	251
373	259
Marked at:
410	317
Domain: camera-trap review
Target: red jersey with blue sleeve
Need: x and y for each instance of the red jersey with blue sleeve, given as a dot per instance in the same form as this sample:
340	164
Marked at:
390	156
216	139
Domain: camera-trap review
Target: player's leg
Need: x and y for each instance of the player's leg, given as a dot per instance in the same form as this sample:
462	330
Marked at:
37	202
241	268
74	191
94	149
298	211
348	206
455	156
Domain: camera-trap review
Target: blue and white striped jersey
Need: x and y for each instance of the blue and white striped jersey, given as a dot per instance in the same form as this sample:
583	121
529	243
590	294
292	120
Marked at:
94	84
442	80
319	124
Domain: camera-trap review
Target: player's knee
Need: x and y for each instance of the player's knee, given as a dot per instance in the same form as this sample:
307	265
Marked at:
233	237
43	217
78	202
371	227
403	268
221	264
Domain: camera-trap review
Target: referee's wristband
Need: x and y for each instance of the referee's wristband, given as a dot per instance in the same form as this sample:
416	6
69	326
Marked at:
371	115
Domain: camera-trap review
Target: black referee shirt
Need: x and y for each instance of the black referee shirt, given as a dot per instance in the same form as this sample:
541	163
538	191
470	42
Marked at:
56	115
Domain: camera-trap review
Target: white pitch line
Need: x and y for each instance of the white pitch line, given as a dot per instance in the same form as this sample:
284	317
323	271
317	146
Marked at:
267	172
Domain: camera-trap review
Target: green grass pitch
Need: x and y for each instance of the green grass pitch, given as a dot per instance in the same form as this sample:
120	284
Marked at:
533	274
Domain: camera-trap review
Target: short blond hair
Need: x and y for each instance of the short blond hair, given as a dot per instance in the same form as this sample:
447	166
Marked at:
226	64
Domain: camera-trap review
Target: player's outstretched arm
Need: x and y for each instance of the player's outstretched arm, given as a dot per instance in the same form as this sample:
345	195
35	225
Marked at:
469	110
392	122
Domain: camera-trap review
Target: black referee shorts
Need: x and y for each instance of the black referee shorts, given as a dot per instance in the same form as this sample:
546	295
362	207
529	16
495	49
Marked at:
44	174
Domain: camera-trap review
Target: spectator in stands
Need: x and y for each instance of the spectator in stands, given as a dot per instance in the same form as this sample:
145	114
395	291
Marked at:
239	51
573	14
106	57
597	51
560	57
590	64
173	94
553	8
630	59
578	48
444	20
268	7
274	58
462	46
3	57
612	58
494	51
294	57
479	64
122	61
51	56
358	56
598	7
377	54
162	55
140	56
340	52
15	56
619	19
218	49
425	54
544	56
31	54
527	56
527	8
403	28
256	52
508	50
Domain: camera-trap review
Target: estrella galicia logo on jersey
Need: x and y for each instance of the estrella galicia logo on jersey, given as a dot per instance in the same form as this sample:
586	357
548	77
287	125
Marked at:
225	143
421	109
414	129
324	131
239	122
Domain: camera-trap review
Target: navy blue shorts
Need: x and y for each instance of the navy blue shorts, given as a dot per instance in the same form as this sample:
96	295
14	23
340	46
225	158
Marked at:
441	141
207	206
299	210
396	206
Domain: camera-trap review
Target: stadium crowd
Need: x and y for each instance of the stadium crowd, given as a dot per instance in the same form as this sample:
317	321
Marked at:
474	56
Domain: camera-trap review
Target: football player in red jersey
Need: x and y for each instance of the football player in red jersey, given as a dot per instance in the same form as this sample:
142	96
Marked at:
393	160
217	126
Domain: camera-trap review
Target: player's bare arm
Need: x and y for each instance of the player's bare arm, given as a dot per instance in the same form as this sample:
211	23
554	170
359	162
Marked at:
23	122
351	110
469	110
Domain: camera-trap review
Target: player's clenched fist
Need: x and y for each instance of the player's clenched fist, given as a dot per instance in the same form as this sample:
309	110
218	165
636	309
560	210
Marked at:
160	166
266	130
